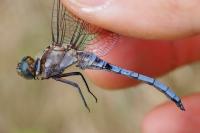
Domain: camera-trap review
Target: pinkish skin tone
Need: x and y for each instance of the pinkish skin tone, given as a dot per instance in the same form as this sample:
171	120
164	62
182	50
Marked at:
139	57
178	122
185	50
153	58
180	19
92	2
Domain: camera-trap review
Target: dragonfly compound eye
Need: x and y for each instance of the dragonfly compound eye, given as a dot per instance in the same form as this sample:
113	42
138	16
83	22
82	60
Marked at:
25	68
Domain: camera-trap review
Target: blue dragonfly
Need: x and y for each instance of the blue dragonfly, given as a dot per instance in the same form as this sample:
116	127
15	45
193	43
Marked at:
73	43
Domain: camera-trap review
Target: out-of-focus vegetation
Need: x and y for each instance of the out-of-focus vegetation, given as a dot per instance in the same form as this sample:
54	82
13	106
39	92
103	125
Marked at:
52	107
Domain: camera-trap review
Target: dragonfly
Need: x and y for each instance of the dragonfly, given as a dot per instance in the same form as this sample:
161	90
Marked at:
74	43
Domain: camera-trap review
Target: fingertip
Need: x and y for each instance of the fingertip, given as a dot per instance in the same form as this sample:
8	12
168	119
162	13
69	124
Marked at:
167	119
101	13
141	19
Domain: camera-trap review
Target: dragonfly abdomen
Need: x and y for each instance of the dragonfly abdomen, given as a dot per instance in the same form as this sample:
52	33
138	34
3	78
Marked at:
91	61
151	81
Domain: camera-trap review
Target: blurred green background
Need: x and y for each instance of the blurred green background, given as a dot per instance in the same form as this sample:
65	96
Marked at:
52	107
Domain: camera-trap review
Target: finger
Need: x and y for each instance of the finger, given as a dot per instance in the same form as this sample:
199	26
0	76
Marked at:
166	119
140	18
152	58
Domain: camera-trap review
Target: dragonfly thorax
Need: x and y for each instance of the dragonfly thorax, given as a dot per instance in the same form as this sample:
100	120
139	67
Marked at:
56	59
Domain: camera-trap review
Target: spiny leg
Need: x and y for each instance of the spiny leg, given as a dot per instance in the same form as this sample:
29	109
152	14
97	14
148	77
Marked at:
83	78
77	87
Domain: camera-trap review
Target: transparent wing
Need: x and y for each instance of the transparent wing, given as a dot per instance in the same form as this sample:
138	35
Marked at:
57	22
103	43
68	29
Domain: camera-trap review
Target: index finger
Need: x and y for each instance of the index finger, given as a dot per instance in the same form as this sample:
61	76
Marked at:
140	18
152	58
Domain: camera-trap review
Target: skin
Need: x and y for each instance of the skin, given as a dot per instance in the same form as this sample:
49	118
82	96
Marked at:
174	27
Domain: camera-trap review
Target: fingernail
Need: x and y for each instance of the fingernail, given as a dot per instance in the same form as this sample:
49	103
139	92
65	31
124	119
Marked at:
88	2
90	5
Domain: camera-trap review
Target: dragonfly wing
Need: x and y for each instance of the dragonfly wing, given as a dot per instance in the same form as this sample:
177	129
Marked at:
83	34
67	29
57	22
103	43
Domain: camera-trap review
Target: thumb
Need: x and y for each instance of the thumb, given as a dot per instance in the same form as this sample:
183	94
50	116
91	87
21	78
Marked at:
152	19
165	119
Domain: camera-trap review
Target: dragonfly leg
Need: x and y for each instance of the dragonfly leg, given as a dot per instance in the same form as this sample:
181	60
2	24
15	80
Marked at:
83	78
76	86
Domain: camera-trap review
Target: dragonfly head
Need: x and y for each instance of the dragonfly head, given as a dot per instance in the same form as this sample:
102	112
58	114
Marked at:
26	67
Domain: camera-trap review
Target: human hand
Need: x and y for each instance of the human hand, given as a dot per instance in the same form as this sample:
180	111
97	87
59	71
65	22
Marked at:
149	20
140	18
155	58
